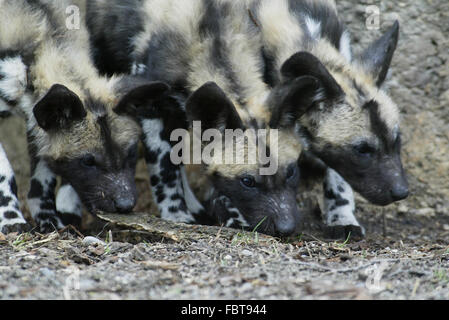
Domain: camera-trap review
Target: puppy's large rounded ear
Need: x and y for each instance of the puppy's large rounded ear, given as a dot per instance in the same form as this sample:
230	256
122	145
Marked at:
306	81
136	100
294	99
59	109
210	105
377	57
306	64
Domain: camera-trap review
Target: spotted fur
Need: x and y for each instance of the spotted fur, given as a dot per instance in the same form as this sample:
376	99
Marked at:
11	219
47	75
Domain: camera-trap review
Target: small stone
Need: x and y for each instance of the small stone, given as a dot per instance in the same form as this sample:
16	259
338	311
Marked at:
88	241
403	208
246	253
425	212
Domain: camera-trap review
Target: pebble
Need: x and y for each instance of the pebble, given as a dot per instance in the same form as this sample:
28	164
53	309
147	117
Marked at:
403	208
427	212
87	241
246	253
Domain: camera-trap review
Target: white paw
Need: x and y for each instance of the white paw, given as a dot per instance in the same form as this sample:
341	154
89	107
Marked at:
13	78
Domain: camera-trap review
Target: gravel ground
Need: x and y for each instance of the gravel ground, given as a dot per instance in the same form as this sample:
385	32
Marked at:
220	264
404	256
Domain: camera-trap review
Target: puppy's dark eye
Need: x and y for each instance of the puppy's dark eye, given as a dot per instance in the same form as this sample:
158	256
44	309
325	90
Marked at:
248	182
132	153
131	158
292	171
88	161
364	149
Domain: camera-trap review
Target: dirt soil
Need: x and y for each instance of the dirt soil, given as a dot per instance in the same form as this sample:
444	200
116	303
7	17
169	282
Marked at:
405	254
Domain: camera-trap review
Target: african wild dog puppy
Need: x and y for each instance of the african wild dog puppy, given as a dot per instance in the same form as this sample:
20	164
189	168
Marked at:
11	218
46	75
212	60
352	125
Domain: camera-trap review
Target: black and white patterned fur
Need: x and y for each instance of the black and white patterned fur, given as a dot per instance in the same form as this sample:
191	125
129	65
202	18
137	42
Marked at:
169	183
12	81
47	76
339	205
11	219
170	189
51	214
165	177
307	40
41	198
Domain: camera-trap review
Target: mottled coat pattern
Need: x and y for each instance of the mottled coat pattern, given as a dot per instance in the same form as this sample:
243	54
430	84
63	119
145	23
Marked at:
47	76
260	52
210	54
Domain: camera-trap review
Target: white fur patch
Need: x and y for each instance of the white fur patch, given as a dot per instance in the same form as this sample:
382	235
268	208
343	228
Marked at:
192	202
4	107
13	82
345	46
68	201
5	167
138	69
240	220
314	27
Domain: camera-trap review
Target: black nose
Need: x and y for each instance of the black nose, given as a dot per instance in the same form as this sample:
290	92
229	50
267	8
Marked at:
399	192
285	227
124	205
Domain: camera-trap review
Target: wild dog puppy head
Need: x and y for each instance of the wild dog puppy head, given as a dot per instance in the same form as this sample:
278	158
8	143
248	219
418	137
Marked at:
352	124
263	189
89	145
